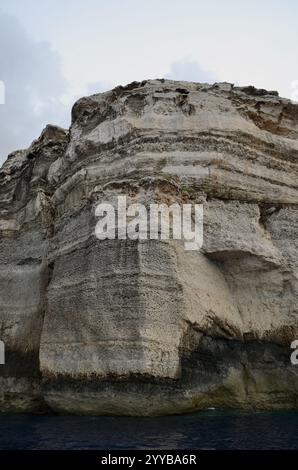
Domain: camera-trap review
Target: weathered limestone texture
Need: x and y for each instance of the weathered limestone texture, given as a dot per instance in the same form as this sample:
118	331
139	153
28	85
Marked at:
145	327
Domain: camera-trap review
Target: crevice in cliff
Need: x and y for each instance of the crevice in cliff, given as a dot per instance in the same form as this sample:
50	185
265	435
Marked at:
267	210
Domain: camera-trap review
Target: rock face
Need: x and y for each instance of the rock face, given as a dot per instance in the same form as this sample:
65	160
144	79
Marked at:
145	327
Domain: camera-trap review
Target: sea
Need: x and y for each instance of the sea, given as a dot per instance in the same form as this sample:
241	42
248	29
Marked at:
212	429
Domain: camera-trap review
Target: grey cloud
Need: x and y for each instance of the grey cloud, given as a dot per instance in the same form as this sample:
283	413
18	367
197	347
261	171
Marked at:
189	70
34	84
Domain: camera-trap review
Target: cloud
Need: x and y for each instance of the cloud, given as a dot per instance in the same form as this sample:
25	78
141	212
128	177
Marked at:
191	71
98	87
34	86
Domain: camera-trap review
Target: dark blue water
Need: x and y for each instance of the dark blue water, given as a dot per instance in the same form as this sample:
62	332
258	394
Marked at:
205	430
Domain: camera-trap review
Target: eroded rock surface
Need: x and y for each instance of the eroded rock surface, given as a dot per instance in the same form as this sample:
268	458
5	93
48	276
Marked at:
145	327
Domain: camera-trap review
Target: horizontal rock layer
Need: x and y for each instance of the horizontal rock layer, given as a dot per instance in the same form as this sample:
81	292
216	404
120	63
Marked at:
145	327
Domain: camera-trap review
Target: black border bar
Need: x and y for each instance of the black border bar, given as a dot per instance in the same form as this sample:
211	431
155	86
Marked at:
150	458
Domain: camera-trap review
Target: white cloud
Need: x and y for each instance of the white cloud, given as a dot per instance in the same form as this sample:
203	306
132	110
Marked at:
98	87
189	70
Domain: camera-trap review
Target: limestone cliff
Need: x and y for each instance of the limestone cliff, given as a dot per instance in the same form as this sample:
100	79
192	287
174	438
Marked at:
145	327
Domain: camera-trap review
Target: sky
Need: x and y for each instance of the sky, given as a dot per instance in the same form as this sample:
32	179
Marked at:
54	51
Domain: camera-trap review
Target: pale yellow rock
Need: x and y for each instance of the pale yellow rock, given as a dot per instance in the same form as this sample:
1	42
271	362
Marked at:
145	327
